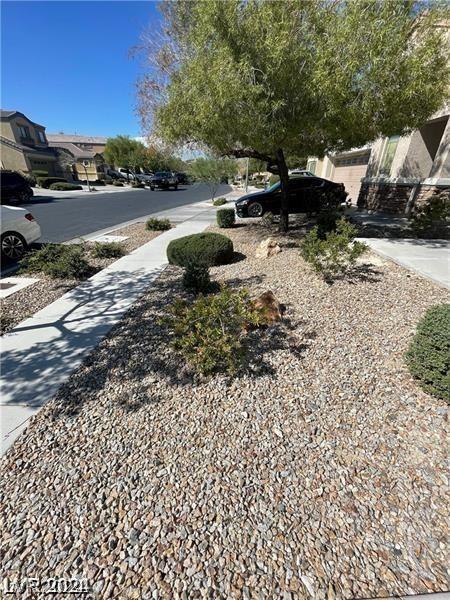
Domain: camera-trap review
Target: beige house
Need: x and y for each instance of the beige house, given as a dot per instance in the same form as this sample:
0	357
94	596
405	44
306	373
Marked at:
23	144
95	144
77	163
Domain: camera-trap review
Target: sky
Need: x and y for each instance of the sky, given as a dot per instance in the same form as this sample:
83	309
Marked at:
66	64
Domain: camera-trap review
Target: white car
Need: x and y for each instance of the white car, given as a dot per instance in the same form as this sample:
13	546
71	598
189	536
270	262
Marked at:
19	230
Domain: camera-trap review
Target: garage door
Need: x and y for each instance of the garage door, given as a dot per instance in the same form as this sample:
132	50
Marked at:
349	171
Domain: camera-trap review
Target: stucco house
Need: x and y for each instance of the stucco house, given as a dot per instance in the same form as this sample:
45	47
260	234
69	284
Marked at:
393	174
77	162
24	145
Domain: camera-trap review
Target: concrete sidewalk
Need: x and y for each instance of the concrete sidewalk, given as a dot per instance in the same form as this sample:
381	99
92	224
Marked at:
40	353
430	258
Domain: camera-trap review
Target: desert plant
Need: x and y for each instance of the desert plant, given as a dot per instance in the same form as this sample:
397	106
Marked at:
210	333
432	219
59	261
196	279
46	182
327	221
219	202
108	250
65	186
154	224
267	220
335	254
226	218
207	249
428	356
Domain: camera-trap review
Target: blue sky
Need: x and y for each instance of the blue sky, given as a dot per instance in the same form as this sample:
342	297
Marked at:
66	65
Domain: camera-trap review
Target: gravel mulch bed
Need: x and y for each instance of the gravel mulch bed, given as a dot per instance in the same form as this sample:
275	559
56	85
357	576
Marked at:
319	473
26	302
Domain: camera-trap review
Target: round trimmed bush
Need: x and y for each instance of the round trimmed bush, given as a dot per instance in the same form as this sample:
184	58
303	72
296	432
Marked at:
219	202
207	249
428	357
226	218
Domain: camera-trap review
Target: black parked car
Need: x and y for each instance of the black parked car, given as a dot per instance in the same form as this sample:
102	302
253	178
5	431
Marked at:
164	180
182	178
15	189
306	195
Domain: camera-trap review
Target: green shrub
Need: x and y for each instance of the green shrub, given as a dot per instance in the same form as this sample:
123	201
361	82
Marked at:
219	202
108	250
226	218
433	218
117	183
207	249
40	173
154	224
335	254
45	182
59	261
428	356
99	182
62	185
210	333
196	279
327	221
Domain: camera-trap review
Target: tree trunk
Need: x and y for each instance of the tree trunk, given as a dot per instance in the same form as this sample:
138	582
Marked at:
284	179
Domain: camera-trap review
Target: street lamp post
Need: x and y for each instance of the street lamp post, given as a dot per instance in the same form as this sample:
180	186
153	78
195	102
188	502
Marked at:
85	165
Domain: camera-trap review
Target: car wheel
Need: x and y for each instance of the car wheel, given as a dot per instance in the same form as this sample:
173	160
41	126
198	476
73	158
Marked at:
255	209
13	245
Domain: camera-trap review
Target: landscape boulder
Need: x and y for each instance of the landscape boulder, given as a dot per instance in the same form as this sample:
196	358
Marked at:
268	247
269	305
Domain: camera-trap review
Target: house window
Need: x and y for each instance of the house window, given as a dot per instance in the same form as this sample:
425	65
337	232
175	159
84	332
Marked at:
388	156
311	166
41	136
24	131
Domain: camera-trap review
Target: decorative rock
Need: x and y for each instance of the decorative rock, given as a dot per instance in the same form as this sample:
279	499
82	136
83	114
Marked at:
267	248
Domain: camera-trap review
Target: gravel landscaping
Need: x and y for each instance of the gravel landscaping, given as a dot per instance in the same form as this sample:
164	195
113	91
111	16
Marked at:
320	472
26	302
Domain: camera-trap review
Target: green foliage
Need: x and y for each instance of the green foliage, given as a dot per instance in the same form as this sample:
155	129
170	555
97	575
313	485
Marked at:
40	173
64	185
432	219
196	279
59	261
226	217
122	151
46	182
335	254
154	224
327	221
212	171
99	182
208	249
108	250
210	333
428	357
219	202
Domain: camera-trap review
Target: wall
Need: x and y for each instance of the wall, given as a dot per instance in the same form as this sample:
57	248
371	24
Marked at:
12	159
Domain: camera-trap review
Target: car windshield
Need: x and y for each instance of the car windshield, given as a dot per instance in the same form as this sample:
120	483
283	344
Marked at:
273	187
162	174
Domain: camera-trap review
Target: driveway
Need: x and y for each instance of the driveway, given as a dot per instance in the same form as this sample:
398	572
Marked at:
430	258
72	216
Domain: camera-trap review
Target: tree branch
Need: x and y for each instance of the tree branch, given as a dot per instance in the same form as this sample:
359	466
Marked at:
249	153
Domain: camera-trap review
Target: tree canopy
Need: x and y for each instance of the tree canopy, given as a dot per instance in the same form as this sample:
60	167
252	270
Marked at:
264	79
122	151
212	171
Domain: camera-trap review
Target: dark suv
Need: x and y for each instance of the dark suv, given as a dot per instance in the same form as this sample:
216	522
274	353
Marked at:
306	195
15	189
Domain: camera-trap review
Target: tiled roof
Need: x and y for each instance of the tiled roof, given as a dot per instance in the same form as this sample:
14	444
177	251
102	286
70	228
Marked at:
76	139
74	150
7	114
21	148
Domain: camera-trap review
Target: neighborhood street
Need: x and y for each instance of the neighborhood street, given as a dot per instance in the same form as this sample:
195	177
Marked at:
74	216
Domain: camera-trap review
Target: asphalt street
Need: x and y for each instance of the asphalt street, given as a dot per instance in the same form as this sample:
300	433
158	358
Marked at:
65	218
